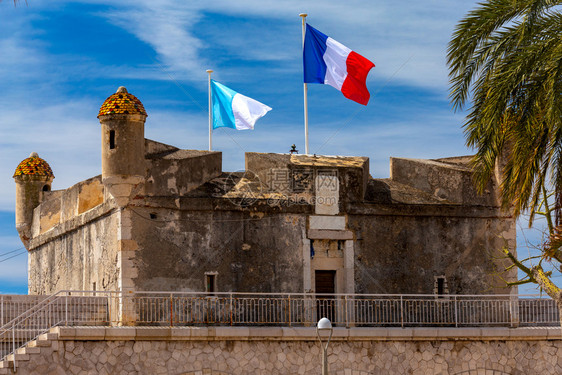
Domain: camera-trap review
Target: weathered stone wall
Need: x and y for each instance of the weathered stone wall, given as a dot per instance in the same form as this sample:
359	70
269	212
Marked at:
185	219
352	173
76	254
297	354
259	249
175	173
404	253
64	205
249	251
397	248
447	181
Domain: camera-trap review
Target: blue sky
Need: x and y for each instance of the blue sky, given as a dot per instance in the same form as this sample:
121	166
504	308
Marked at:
62	59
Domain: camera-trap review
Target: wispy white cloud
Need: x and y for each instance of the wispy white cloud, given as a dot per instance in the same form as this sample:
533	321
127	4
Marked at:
407	43
416	34
167	26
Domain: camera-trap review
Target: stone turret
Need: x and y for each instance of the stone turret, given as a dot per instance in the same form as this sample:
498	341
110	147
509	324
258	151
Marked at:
122	118
33	176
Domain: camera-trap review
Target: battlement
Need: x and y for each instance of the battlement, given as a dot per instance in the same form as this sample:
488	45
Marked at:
447	179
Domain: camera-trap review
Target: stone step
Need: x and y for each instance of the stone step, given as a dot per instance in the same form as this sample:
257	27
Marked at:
39	343
25	353
18	357
28	350
48	336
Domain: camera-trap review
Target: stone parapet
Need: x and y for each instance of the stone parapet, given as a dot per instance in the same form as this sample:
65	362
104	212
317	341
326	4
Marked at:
72	224
446	181
308	333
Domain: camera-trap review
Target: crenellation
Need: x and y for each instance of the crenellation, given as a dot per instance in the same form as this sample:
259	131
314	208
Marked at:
446	179
174	174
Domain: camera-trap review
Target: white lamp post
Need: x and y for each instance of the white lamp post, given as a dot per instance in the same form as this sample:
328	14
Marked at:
324	325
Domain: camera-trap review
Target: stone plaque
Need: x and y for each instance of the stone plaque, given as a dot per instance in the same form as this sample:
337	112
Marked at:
327	194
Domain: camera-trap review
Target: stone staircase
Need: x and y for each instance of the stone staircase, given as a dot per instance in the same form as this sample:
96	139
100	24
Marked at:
39	320
45	342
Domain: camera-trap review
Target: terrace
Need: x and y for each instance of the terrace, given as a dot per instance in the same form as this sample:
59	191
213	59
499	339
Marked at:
23	318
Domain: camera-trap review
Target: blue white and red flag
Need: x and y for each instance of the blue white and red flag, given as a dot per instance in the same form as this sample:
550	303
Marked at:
327	61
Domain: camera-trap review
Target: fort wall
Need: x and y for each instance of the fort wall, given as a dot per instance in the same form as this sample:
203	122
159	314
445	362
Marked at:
164	219
78	254
276	350
392	248
405	253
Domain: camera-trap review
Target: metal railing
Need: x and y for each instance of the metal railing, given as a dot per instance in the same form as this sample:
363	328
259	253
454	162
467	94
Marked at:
62	308
176	309
12	305
78	308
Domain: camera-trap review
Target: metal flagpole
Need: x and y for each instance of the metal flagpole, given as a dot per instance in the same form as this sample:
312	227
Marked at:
209	71
303	16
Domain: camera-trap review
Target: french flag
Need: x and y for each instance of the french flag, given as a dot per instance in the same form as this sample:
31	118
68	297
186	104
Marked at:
329	62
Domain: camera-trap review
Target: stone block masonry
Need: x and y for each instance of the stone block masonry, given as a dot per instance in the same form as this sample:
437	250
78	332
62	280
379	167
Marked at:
286	350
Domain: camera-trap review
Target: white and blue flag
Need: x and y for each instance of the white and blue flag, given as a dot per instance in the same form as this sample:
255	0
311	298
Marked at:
234	110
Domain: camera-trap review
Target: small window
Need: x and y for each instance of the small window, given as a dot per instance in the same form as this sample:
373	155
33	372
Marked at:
440	287
111	139
211	282
46	188
153	215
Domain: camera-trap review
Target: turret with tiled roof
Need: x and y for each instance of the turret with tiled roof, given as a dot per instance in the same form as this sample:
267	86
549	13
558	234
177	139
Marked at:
122	118
121	103
34	166
33	178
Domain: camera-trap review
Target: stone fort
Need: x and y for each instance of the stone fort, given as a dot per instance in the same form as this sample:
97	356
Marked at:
165	219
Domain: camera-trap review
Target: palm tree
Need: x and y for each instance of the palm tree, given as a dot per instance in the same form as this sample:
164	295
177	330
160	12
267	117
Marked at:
505	58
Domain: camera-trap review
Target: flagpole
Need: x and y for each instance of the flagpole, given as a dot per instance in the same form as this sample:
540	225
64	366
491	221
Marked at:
303	16
209	71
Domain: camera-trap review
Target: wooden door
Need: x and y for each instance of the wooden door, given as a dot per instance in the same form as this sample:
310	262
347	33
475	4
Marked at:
325	282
